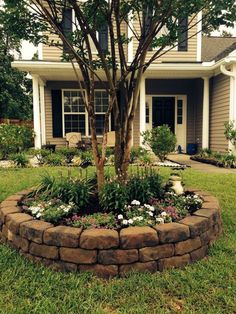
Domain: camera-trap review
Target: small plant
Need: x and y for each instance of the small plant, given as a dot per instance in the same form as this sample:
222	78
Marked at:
67	189
20	159
161	140
137	153
230	132
113	196
54	159
97	220
52	211
68	152
145	185
86	155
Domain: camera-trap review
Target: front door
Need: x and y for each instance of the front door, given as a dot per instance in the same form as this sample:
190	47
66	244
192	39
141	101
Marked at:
163	112
170	110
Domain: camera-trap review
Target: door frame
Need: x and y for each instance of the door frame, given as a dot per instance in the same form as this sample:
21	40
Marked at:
149	102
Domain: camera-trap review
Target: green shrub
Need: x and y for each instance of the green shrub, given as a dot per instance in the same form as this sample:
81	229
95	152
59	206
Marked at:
161	140
66	189
230	132
137	153
40	154
144	187
54	159
113	196
68	152
20	159
14	138
87	155
205	152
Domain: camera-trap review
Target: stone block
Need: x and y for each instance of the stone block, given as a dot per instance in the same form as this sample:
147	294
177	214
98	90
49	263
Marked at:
154	253
60	266
212	214
173	262
6	204
99	239
62	236
15	197
172	232
33	230
187	246
42	250
196	224
13	221
78	256
4	211
138	237
150	267
108	271
199	254
117	256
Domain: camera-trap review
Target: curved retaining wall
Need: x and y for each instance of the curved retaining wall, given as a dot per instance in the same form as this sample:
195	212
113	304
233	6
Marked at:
108	253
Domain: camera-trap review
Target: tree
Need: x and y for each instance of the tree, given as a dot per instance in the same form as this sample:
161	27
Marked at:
15	98
123	77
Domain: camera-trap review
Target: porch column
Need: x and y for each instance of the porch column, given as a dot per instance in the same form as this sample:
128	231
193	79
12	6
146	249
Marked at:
42	106
142	109
205	113
36	112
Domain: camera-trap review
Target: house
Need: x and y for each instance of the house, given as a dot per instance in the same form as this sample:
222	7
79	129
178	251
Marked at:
192	88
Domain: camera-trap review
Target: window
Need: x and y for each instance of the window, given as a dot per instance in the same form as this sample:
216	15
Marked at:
147	113
76	116
180	111
74	112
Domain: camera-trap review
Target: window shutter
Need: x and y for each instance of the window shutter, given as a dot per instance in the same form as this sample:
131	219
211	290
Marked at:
183	35
56	113
103	38
66	25
147	18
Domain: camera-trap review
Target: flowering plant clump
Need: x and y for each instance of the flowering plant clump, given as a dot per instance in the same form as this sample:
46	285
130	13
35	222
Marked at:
97	220
52	211
136	214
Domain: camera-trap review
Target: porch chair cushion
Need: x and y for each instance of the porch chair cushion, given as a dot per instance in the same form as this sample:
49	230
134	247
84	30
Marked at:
73	139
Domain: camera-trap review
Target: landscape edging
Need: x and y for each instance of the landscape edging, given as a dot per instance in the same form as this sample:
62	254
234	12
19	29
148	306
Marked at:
108	253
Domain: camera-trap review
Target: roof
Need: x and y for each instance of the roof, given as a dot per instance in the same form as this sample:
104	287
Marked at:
216	48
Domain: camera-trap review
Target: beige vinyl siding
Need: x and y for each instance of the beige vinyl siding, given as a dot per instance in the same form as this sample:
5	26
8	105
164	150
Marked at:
48	121
51	53
175	55
219	111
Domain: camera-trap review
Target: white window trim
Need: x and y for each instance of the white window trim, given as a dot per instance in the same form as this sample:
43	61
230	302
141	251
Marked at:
87	135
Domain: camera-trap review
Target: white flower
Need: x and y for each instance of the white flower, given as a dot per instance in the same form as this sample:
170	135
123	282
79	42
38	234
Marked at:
140	218
125	222
66	209
163	214
151	208
120	217
38	215
147	206
134	202
160	221
150	214
130	221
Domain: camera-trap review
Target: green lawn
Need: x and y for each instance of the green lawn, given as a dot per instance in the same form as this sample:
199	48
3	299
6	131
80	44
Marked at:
208	286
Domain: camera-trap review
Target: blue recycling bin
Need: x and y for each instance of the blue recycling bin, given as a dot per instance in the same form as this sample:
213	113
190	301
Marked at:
192	148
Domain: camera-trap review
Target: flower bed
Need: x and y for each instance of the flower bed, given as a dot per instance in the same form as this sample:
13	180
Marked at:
106	252
225	160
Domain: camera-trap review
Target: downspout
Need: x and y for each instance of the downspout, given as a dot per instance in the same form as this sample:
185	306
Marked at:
232	113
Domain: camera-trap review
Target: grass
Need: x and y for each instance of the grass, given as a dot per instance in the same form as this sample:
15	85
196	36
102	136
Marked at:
208	286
